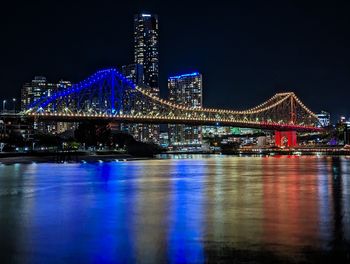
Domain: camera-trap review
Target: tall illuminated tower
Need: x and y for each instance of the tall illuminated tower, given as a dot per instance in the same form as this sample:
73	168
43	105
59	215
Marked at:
146	54
146	49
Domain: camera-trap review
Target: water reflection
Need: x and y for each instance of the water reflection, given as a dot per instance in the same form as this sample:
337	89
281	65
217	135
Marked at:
291	207
186	211
193	210
339	214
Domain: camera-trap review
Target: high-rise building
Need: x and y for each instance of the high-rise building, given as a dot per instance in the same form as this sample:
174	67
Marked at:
146	49
134	73
34	90
342	119
37	88
185	90
164	139
141	132
146	54
324	118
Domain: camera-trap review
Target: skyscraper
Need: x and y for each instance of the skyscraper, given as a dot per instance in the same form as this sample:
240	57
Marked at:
146	49
146	54
324	118
134	73
185	90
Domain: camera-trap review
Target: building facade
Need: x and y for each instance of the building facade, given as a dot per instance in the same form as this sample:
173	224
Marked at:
38	88
34	90
146	54
146	49
185	90
134	73
324	118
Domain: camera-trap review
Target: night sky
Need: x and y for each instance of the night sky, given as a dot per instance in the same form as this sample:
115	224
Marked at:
246	50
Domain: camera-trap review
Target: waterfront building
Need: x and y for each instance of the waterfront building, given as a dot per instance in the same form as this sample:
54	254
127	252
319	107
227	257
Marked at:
35	89
218	131
146	54
164	139
343	131
342	119
324	118
346	125
141	132
38	88
185	90
17	131
2	130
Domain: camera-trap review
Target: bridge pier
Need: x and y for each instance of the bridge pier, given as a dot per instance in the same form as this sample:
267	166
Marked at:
286	138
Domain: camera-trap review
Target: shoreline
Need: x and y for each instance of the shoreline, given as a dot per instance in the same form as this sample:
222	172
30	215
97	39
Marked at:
30	158
69	158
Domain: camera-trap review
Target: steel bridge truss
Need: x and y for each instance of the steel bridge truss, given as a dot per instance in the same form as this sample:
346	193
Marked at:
108	94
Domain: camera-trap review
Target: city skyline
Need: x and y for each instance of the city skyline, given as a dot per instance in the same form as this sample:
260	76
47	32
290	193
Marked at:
308	66
175	131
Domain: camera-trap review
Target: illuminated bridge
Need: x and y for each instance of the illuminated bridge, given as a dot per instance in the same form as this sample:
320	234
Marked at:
108	95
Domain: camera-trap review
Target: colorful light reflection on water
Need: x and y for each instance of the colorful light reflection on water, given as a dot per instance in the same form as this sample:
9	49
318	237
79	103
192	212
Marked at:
201	209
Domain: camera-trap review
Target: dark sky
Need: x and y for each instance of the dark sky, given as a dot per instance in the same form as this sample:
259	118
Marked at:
246	50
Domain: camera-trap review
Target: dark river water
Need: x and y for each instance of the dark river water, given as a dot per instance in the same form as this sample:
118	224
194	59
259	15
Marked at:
200	209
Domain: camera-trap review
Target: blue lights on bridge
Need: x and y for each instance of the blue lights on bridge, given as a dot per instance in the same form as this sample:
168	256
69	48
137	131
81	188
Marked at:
109	93
101	75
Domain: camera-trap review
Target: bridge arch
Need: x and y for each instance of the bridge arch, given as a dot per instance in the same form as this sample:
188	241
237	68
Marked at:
109	94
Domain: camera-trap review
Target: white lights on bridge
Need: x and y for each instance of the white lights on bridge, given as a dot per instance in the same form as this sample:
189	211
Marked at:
267	114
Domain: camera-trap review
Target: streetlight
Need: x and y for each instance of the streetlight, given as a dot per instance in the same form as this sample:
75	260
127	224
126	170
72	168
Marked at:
3	105
14	104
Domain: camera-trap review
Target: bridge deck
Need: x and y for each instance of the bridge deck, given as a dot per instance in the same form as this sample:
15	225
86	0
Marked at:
161	120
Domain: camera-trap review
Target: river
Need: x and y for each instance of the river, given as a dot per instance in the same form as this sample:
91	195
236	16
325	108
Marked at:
182	209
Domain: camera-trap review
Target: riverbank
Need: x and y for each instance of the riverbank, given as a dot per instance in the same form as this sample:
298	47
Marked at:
329	151
64	157
106	156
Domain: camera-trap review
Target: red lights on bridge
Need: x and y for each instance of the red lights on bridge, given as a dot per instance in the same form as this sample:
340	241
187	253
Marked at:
286	138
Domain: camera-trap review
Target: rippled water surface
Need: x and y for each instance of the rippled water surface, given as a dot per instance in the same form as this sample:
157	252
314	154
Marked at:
194	210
